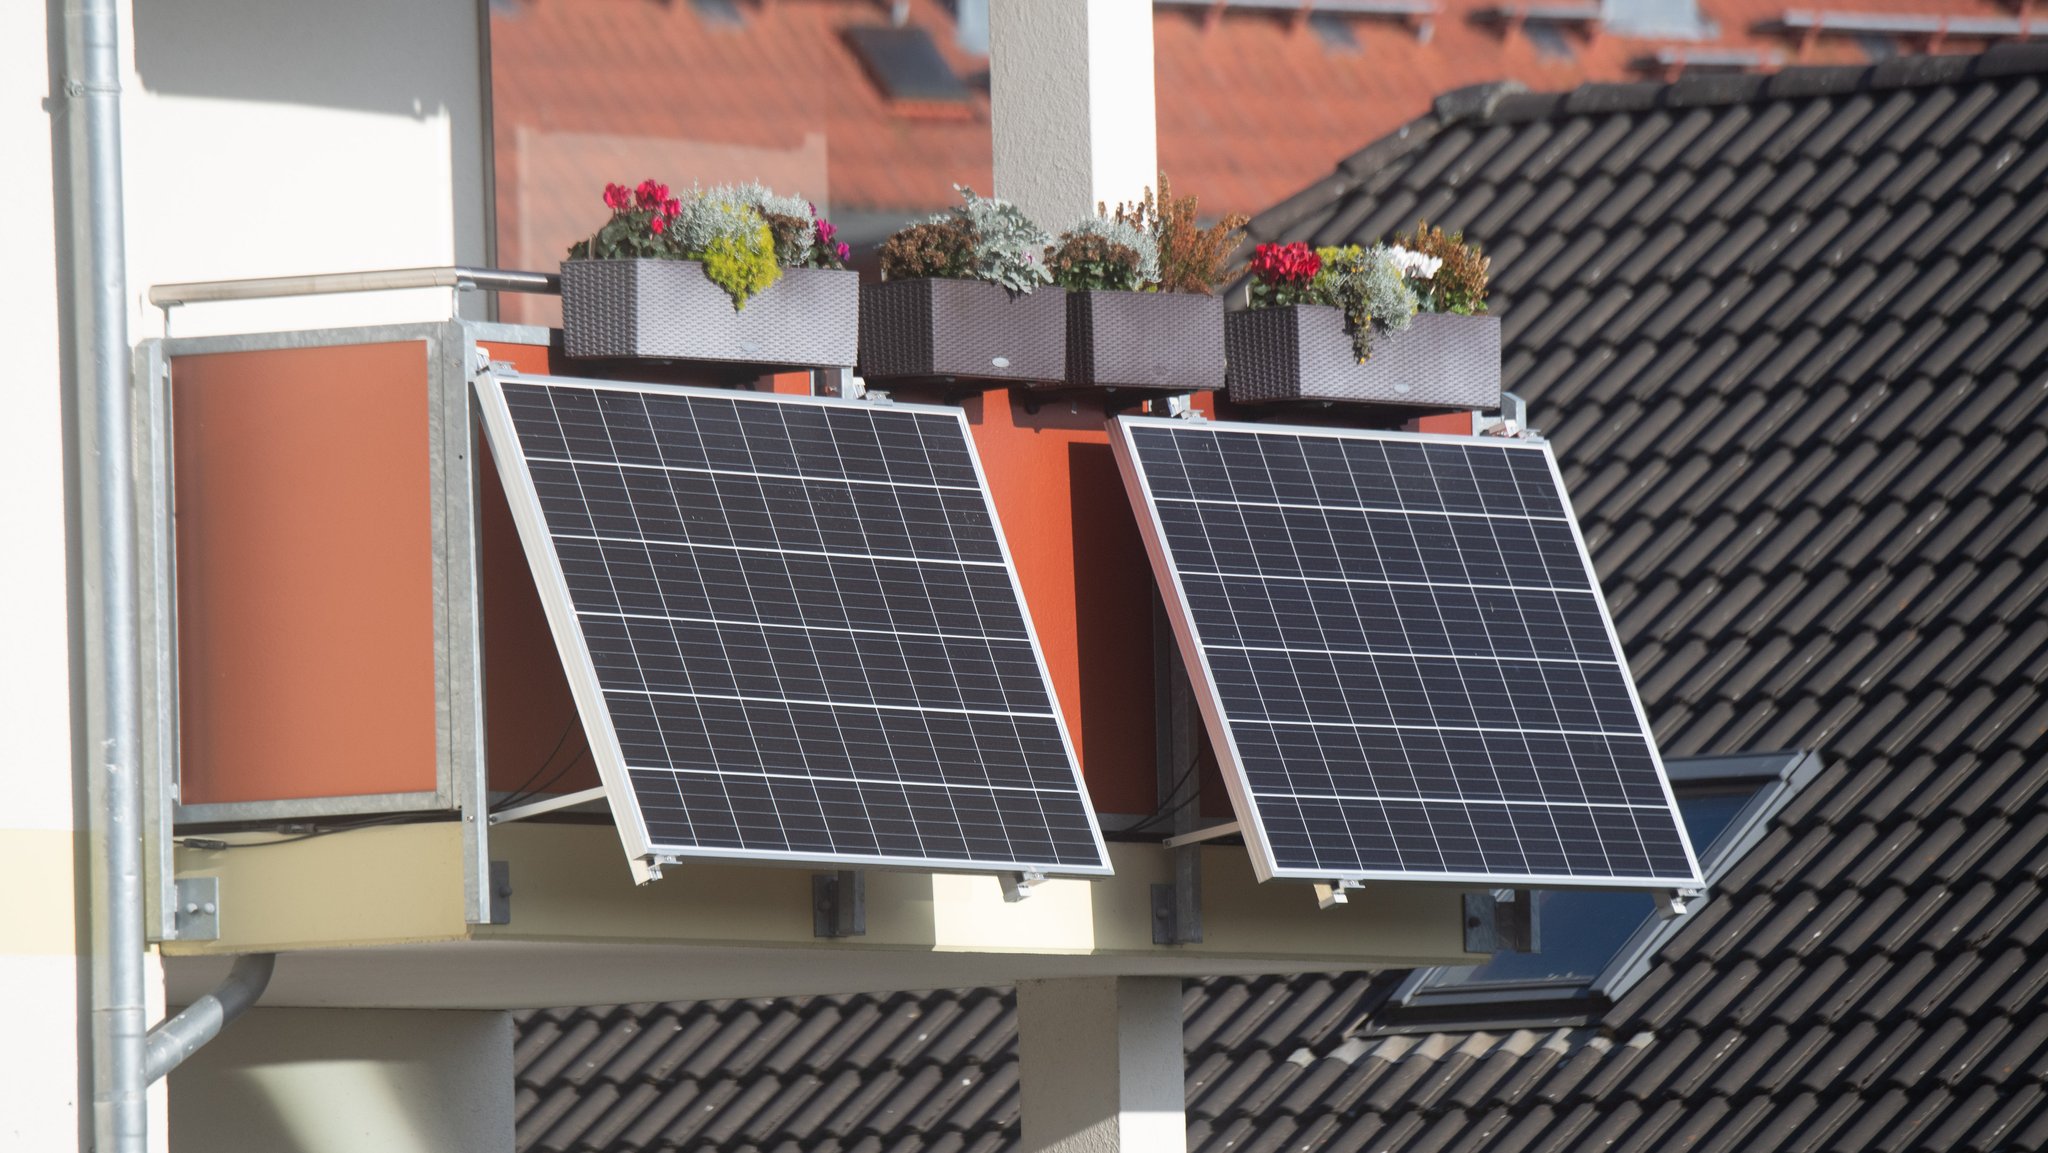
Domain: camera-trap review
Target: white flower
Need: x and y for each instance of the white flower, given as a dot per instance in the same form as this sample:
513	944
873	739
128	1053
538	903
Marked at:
1414	264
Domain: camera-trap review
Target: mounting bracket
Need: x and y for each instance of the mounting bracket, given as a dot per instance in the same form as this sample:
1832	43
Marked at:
1018	886
839	904
1502	921
1512	421
1176	904
1333	893
536	808
1226	829
1675	903
500	897
198	914
839	382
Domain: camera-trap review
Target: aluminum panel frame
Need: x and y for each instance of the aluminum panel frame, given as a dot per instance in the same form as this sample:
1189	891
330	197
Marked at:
459	734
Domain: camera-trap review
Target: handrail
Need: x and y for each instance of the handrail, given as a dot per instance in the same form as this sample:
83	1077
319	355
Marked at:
1904	24
380	280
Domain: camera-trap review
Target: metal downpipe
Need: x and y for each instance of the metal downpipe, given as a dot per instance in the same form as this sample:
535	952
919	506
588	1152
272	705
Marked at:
201	1021
119	1021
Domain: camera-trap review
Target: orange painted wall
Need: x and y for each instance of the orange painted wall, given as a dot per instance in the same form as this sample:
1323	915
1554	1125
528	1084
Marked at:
532	732
305	573
1085	578
262	720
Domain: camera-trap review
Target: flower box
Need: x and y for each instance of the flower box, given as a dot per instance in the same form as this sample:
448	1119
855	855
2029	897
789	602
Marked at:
669	309
1302	352
1167	341
962	330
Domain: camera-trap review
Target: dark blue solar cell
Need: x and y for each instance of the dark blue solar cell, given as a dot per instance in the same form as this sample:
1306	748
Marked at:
1402	639
802	626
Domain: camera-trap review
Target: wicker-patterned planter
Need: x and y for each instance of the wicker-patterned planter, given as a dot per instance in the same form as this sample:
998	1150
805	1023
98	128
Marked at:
1302	352
963	330
1164	341
669	309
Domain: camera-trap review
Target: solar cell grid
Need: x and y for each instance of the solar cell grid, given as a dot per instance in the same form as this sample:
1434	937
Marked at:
794	624
1406	665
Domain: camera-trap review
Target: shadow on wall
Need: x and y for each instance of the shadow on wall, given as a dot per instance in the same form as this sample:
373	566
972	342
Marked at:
386	56
328	1080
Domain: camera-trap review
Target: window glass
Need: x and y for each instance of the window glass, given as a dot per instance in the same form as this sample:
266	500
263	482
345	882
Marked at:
1580	930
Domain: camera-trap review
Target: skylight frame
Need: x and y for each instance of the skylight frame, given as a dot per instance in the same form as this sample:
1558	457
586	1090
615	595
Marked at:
1777	776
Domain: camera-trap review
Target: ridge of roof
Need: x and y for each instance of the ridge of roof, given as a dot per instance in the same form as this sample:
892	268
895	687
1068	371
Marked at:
1744	87
1509	102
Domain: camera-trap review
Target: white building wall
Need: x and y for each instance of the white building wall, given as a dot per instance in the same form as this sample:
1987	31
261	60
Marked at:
263	138
40	1079
282	137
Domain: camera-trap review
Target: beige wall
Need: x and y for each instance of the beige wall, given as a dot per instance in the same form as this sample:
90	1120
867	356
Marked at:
348	1081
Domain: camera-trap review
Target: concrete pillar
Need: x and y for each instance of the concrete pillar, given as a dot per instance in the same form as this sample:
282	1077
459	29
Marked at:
348	1081
1072	105
1102	1068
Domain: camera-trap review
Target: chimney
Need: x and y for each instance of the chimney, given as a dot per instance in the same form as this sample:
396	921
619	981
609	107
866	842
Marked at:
1071	97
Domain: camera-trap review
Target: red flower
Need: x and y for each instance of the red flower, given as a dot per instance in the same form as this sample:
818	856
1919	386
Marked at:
659	224
671	206
1285	264
617	196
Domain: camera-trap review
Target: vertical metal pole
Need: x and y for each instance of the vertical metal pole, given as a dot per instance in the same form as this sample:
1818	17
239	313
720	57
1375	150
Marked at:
1177	912
119	1023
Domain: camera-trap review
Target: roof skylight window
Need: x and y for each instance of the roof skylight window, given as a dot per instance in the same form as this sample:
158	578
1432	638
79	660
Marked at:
1593	943
906	65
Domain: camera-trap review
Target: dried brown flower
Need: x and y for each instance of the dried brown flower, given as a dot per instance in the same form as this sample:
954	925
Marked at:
941	248
1460	283
1191	258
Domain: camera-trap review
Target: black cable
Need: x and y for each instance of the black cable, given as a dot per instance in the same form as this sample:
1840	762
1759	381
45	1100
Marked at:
519	794
1169	808
217	845
544	786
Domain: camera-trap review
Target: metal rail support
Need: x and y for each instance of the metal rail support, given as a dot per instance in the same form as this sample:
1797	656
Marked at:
839	904
1177	905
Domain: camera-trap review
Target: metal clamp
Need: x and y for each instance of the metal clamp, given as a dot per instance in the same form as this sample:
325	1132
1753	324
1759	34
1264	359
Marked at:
1333	893
1502	921
198	915
1018	886
839	904
1675	903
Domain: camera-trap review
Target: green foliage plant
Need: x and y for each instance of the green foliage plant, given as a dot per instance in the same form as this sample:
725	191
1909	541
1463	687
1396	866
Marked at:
725	228
1008	245
1368	288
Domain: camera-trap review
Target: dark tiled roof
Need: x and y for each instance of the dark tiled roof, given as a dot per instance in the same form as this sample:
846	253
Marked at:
1790	336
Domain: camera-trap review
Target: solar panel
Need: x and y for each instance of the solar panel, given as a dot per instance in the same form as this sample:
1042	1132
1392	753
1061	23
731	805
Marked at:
792	627
1403	657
